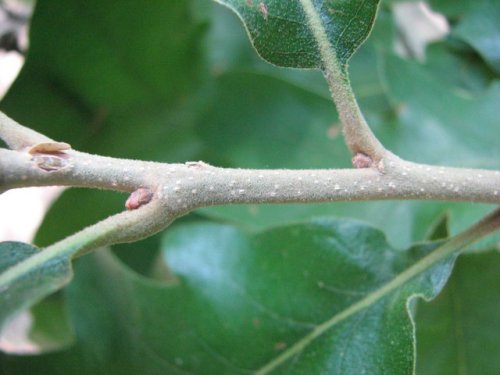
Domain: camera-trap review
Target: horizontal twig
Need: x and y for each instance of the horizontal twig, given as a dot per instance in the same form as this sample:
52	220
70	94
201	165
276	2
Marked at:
196	184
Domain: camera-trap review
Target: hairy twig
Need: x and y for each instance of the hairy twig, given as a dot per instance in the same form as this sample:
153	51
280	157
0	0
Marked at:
197	184
17	136
162	192
358	135
171	190
184	187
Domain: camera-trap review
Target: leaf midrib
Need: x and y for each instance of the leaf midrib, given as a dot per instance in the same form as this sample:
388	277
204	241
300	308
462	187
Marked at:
447	249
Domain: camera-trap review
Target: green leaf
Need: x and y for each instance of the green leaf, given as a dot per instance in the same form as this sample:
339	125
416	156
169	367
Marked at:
458	66
27	275
481	29
91	206
440	229
431	113
282	33
50	330
475	22
453	9
274	124
458	331
314	296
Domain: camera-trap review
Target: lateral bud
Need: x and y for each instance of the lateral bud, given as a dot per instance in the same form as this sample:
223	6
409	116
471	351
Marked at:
49	148
138	198
361	160
50	156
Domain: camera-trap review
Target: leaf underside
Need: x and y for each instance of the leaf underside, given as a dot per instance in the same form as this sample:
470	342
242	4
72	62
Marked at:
29	286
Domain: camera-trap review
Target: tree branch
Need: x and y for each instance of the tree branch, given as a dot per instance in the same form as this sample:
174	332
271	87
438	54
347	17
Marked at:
162	192
195	184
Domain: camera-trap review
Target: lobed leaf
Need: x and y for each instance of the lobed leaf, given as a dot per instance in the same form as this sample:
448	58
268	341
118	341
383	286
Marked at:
458	331
296	299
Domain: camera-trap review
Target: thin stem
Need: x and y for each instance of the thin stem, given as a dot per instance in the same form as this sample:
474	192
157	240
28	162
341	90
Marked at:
123	227
17	136
72	168
128	226
358	135
192	185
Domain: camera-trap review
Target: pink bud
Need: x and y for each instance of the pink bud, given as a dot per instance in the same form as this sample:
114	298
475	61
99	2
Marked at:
138	198
361	160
